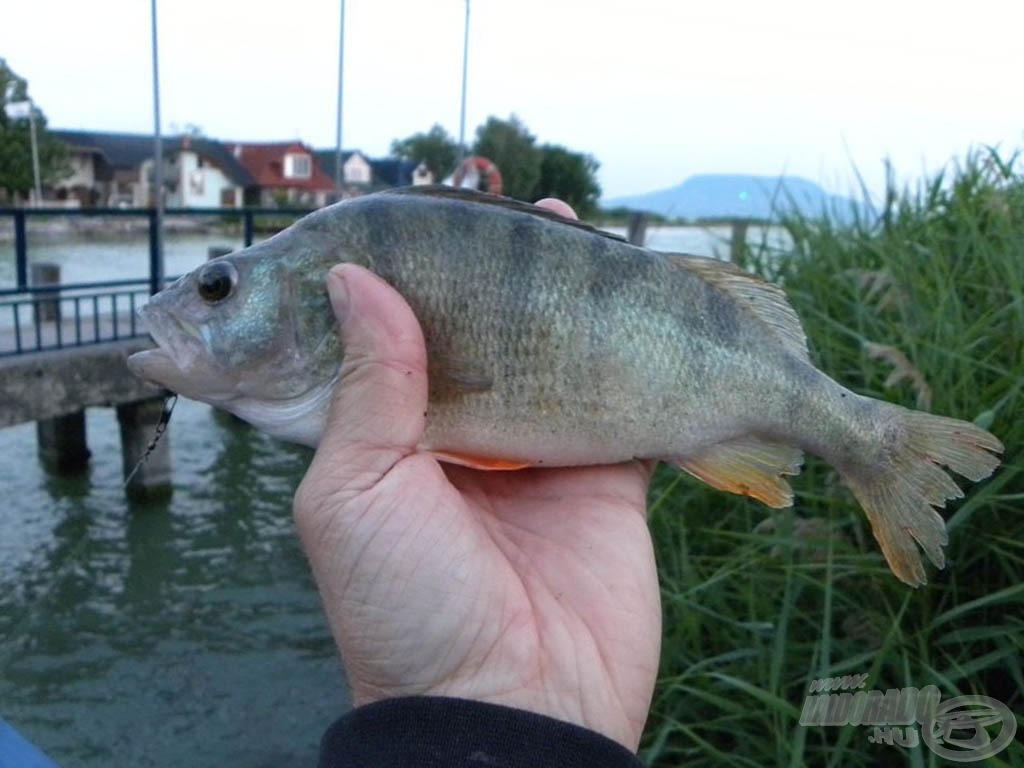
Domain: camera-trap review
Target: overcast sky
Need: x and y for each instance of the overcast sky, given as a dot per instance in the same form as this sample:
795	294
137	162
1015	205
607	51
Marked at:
656	90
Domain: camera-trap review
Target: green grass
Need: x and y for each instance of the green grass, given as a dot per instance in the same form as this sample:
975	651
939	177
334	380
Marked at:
753	614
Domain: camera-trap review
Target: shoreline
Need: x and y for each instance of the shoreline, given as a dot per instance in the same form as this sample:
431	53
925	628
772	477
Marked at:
99	226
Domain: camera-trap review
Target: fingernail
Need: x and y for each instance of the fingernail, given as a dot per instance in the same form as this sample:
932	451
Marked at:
337	289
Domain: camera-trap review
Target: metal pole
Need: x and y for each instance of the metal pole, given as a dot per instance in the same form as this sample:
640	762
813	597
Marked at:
157	237
35	151
465	65
20	250
341	89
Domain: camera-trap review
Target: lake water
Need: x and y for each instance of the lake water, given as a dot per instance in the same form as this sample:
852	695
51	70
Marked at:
182	633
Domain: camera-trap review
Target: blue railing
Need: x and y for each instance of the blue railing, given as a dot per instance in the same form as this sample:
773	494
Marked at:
35	318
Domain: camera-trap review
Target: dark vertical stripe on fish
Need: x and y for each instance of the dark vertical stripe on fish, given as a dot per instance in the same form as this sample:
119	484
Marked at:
382	238
722	315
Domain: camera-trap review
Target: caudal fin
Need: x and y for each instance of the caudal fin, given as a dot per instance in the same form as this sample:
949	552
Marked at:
900	497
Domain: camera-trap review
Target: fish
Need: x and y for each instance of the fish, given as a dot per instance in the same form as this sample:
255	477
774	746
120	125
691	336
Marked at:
551	343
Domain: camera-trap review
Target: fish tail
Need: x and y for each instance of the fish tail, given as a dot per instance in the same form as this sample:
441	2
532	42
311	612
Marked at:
900	492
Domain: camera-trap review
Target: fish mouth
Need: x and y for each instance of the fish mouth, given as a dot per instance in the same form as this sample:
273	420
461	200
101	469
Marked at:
181	361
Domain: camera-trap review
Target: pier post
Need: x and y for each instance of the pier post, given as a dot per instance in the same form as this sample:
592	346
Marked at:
138	421
46	274
61	443
738	240
637	232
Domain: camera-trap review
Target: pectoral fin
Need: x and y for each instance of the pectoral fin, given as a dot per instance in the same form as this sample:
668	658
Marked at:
479	462
748	466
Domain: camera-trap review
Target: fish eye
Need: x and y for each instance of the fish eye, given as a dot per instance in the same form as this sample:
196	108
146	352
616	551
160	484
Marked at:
217	281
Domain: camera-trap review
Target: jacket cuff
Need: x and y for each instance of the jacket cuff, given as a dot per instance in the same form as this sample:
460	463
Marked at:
437	732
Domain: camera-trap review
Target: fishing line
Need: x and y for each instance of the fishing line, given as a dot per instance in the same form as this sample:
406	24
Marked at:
161	426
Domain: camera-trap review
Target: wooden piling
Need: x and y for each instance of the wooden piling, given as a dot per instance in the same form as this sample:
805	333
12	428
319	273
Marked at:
738	241
637	232
138	421
46	273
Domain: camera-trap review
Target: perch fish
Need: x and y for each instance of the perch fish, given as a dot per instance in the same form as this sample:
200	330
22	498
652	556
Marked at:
553	344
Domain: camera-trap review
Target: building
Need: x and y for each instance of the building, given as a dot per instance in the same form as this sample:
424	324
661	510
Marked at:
362	174
207	175
116	170
285	173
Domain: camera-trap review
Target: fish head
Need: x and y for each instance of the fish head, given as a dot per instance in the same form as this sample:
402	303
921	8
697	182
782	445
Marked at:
251	333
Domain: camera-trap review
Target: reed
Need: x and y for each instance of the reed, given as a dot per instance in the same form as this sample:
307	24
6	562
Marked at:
920	303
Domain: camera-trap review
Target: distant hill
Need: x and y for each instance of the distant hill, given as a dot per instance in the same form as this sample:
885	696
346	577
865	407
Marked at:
714	196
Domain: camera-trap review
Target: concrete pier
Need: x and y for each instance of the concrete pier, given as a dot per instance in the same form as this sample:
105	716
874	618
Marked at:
637	230
46	274
54	388
150	479
61	443
738	241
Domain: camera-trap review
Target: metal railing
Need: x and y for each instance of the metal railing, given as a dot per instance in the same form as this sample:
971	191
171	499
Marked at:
72	315
35	318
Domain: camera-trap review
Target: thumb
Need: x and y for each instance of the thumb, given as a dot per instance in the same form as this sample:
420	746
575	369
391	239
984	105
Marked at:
378	411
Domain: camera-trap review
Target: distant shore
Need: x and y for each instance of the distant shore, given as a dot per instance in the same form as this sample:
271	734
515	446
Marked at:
103	226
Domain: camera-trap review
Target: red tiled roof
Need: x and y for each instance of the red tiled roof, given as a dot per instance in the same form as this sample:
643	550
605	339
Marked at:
266	163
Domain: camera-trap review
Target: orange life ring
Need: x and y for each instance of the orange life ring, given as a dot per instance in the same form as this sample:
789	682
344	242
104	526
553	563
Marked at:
485	168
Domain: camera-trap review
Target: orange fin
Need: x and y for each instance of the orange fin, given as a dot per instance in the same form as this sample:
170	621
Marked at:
479	462
748	466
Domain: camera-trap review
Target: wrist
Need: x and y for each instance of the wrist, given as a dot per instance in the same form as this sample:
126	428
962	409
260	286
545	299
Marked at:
432	731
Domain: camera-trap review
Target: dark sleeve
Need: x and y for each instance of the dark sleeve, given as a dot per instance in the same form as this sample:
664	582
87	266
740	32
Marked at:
430	732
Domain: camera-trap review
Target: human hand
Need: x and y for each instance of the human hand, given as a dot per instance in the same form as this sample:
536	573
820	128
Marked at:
534	589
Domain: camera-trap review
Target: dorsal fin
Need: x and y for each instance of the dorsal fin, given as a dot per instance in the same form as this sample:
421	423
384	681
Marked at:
765	300
508	203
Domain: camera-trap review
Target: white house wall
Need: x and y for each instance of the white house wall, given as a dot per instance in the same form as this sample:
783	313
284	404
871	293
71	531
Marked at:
356	170
82	172
200	187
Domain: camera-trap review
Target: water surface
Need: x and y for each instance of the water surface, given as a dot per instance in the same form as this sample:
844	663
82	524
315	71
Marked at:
184	633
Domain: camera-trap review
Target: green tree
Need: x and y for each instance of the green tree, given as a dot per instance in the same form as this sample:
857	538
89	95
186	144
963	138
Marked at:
510	146
570	176
16	174
435	148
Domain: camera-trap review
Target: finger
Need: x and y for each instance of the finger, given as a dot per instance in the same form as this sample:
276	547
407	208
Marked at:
377	413
560	207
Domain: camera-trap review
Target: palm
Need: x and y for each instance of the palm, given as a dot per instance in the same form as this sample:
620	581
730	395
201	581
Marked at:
500	586
534	589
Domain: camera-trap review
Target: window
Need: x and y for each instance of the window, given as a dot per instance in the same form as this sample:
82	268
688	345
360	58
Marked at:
297	167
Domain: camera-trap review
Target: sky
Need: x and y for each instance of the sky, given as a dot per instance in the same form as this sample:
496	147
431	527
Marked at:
655	90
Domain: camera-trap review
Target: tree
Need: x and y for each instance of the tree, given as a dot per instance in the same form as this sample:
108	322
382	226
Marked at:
16	174
436	148
510	146
570	176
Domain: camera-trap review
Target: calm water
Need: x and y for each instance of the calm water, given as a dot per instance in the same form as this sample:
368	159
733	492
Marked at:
111	257
186	633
